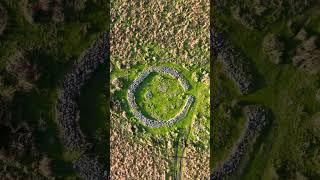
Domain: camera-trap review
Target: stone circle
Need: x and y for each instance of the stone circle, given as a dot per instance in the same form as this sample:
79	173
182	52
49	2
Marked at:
152	123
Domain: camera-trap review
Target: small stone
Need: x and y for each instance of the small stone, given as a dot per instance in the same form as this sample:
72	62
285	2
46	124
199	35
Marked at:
148	95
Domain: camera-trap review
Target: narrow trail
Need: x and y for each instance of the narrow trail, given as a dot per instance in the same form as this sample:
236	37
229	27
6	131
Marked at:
181	158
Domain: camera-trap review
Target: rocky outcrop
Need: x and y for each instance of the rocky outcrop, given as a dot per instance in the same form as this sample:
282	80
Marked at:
135	109
236	65
67	108
257	119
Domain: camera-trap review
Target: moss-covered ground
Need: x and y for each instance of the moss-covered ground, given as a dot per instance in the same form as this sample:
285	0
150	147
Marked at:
175	95
54	47
287	149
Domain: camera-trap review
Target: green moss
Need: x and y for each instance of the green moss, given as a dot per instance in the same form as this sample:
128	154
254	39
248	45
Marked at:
287	91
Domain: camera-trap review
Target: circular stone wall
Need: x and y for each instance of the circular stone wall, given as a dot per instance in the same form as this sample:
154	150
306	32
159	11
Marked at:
158	123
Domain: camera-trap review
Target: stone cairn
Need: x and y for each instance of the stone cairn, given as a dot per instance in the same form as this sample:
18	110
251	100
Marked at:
257	120
237	67
150	122
68	110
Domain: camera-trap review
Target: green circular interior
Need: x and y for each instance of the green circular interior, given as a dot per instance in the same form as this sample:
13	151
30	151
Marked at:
160	97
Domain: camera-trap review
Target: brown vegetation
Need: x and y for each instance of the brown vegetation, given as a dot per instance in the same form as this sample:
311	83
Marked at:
273	48
307	56
3	19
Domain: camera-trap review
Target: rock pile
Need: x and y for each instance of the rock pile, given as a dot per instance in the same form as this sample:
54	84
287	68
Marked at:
257	119
238	68
67	109
134	107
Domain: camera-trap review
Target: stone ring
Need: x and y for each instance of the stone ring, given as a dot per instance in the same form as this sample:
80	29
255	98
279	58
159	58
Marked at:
151	122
